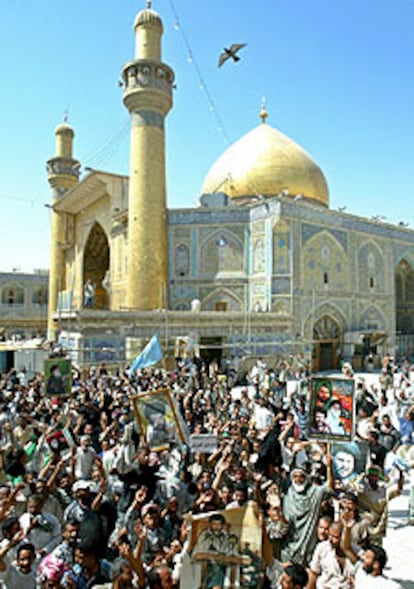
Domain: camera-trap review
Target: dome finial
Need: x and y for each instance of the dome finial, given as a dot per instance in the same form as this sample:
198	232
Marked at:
263	111
149	3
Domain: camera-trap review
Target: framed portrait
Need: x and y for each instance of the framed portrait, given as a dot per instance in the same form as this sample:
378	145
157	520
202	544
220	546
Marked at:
332	409
158	419
349	460
225	549
60	440
58	377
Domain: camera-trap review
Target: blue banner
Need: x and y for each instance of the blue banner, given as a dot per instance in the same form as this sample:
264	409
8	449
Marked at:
149	356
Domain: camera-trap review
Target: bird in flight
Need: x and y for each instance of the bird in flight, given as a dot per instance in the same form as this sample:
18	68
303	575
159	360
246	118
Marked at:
231	53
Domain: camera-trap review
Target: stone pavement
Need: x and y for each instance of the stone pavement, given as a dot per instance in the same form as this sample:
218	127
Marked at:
399	542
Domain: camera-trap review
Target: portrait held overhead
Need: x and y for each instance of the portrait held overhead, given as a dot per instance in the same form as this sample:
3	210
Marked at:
158	419
332	408
225	549
58	377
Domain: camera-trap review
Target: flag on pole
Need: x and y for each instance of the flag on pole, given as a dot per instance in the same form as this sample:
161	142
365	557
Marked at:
149	356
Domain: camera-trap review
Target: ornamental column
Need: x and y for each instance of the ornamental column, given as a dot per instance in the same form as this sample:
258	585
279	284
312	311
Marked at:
148	85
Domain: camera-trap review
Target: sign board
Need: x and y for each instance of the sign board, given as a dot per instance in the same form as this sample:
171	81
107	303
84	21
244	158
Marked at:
203	443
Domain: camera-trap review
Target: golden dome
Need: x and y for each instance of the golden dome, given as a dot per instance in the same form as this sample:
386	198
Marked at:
148	17
64	129
266	162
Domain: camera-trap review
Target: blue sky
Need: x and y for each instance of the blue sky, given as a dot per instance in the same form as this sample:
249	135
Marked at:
337	78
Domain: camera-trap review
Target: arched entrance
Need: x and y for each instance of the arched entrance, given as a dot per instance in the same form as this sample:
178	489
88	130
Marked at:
327	340
404	308
96	264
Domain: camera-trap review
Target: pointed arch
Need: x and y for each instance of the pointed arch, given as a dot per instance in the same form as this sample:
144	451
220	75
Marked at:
404	296
324	310
325	261
221	299
404	277
324	237
407	256
182	305
373	318
281	307
40	296
371	267
325	327
96	257
281	247
182	260
259	260
221	252
13	294
280	225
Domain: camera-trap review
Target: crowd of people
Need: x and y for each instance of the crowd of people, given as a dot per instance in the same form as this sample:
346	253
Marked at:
87	500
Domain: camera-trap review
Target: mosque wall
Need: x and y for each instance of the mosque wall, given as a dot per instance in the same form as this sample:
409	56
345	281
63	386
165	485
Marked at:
290	263
117	286
303	265
257	270
23	303
208	262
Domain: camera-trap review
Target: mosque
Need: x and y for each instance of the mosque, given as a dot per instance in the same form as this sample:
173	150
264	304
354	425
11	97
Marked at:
261	268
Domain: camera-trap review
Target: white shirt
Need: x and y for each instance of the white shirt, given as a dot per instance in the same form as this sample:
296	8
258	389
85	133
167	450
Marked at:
365	581
333	420
11	554
108	460
47	535
263	417
85	459
325	564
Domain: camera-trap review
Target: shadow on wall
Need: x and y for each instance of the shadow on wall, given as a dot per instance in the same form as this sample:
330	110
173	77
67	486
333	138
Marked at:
406	584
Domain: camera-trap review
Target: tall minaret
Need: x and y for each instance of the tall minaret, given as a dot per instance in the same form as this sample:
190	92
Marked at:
148	85
62	175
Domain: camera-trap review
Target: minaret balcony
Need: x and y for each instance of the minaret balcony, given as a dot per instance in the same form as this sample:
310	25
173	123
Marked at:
147	78
61	166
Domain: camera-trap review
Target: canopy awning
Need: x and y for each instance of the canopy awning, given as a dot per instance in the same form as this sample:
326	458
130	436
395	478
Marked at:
375	336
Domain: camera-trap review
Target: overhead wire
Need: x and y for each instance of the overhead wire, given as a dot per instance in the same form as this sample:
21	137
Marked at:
109	147
17	199
202	83
191	58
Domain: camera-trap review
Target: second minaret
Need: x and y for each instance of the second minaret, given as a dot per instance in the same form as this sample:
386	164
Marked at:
148	85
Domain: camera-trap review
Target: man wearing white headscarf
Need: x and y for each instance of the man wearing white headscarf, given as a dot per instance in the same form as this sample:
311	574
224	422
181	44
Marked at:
84	458
301	508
